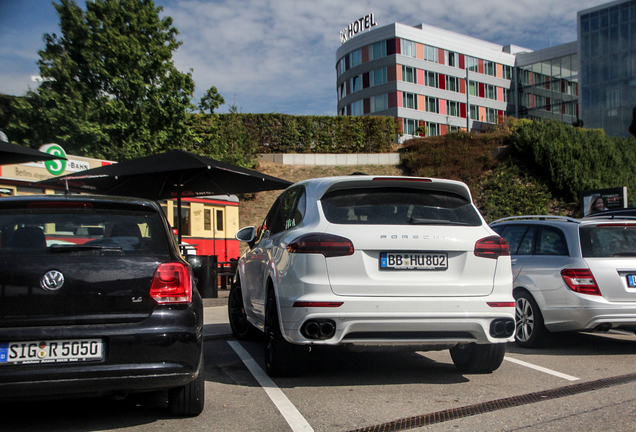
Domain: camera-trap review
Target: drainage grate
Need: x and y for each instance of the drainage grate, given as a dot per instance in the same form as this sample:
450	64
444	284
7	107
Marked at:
499	404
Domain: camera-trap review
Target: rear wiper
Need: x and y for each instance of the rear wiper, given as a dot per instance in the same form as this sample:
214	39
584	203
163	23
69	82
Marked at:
60	248
625	254
417	221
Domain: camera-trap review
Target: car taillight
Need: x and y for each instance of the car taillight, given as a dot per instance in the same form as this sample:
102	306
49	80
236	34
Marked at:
328	245
581	281
492	247
171	284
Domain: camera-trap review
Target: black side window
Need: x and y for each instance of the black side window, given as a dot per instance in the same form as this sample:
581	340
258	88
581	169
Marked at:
514	235
551	241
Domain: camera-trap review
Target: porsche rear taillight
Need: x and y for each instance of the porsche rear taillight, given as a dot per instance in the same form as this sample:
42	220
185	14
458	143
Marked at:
492	247
328	245
581	281
171	284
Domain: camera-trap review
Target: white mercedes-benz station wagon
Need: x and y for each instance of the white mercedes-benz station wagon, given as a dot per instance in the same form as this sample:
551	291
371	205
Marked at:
371	261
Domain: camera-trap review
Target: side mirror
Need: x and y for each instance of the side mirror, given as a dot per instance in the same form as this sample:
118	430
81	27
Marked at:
246	235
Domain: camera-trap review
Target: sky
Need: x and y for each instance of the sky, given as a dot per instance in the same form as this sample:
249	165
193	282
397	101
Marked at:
278	56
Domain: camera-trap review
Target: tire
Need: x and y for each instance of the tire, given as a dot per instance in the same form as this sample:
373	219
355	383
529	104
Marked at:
188	400
242	329
282	359
530	330
478	359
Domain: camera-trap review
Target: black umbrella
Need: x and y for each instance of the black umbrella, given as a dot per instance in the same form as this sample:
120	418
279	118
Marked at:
15	154
172	174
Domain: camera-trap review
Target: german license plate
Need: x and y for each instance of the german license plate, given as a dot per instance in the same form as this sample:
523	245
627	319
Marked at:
631	281
53	351
413	261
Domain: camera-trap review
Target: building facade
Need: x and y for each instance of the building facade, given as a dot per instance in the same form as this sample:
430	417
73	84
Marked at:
425	76
607	47
445	81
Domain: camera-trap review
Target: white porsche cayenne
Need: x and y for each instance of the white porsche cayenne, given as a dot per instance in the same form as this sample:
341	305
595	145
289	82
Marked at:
371	261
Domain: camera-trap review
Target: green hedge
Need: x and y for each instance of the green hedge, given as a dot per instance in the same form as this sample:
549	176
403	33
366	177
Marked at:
572	159
282	133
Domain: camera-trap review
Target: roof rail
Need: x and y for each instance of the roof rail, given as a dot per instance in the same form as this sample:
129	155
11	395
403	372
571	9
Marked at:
540	217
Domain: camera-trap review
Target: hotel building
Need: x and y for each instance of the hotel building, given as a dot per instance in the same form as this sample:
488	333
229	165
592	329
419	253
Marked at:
445	81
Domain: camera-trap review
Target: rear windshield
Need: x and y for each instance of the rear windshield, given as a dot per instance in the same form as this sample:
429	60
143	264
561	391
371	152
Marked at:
81	231
608	240
398	206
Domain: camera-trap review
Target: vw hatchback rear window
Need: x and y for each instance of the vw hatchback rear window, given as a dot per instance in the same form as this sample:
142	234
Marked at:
608	240
398	206
81	232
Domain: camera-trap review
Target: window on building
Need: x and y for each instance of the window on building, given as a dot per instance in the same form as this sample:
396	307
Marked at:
408	48
379	102
490	91
452	108
491	115
472	64
409	126
408	74
506	95
207	219
474	112
452	83
489	68
409	100
342	90
452	58
507	71
355	58
432	104
431	54
342	66
473	88
377	77
357	108
432	129
356	83
431	79
377	50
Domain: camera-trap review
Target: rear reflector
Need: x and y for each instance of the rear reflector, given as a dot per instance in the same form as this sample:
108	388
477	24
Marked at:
491	247
328	245
171	284
501	304
581	281
317	304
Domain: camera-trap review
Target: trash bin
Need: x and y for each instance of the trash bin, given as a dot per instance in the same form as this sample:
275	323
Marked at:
204	269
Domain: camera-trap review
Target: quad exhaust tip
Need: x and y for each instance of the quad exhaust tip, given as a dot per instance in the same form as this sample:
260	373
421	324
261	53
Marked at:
319	329
502	328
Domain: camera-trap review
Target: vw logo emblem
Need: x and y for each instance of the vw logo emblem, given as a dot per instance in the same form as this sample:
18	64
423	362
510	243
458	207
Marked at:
52	280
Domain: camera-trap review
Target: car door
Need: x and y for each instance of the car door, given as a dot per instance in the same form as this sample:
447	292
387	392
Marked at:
520	238
542	272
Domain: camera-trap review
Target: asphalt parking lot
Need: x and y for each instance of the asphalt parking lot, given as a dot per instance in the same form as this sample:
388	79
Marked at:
577	381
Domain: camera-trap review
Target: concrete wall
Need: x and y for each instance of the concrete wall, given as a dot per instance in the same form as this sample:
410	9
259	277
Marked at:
332	159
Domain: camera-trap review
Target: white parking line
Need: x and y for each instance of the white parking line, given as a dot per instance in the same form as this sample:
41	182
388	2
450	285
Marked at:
293	417
542	369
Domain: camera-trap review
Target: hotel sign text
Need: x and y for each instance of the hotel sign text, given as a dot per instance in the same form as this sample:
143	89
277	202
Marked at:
364	23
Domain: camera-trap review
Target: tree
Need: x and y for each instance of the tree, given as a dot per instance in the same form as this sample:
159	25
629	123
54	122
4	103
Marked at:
632	126
109	86
211	100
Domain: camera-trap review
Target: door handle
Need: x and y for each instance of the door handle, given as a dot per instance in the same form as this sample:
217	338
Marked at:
514	261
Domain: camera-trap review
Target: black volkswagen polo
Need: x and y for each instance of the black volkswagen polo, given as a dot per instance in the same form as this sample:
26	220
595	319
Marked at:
96	300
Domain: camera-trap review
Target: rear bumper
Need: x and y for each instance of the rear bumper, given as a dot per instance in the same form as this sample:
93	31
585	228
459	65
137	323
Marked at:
162	352
422	322
590	317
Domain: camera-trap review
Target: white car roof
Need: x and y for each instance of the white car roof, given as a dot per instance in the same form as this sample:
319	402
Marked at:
325	184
